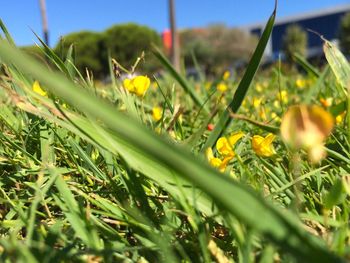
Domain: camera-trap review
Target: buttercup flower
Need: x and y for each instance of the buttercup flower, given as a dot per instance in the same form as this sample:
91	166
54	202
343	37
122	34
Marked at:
157	113
141	84
216	162
257	102
339	118
138	85
224	146
306	127
127	83
326	102
37	89
301	83
226	75
222	87
283	96
263	146
259	87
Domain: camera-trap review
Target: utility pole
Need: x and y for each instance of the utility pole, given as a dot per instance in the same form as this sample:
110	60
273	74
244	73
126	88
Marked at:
44	21
175	48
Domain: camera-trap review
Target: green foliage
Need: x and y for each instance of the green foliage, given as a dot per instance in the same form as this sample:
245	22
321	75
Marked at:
294	42
88	47
217	47
344	36
126	42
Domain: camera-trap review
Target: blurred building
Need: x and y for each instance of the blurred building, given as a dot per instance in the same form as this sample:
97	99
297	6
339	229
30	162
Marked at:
325	22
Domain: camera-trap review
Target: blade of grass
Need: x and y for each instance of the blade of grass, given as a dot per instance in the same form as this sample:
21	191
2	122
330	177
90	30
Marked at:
306	65
181	80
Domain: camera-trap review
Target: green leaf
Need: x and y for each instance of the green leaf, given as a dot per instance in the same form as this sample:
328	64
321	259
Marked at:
181	80
306	65
339	65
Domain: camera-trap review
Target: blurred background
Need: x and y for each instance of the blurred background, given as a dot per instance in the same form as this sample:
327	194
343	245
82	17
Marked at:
219	35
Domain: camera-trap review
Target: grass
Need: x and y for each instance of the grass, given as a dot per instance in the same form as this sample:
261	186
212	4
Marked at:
88	176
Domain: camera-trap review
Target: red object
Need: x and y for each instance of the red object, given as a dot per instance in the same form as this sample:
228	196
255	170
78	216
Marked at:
210	127
166	36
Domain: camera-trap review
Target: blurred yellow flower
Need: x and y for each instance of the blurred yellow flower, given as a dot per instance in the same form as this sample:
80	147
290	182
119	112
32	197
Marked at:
326	102
207	85
283	96
339	118
275	117
138	85
157	113
226	75
300	83
259	87
263	146
257	102
37	89
222	87
306	127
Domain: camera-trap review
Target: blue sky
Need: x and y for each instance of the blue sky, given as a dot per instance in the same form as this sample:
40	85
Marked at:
66	16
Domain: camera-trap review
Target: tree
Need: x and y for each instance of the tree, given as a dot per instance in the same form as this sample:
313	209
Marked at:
89	53
216	47
294	41
344	36
127	41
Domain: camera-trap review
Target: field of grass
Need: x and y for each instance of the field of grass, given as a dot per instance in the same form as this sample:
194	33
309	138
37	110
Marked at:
173	169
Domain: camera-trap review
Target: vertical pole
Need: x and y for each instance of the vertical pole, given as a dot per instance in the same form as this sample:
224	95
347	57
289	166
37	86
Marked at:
44	21
175	49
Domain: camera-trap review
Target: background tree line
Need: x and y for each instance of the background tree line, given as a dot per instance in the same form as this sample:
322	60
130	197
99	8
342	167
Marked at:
215	47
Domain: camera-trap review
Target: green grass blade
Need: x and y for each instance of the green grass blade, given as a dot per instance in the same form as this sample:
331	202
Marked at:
181	80
306	65
244	84
339	65
6	33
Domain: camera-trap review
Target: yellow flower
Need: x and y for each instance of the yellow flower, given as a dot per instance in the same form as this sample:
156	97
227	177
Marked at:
307	127
257	102
326	102
216	162
222	87
157	113
339	118
224	147
207	85
301	83
283	96
141	84
259	87
226	75
138	85
128	84
263	146
37	89
234	137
